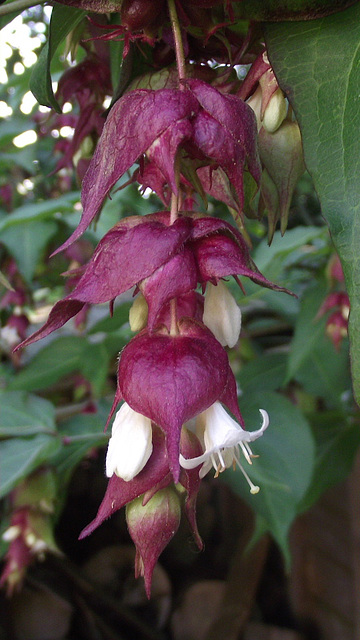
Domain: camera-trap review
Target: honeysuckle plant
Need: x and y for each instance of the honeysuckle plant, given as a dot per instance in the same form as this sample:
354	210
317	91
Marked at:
198	107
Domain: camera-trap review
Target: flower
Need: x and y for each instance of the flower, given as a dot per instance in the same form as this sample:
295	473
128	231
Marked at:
221	314
130	445
222	436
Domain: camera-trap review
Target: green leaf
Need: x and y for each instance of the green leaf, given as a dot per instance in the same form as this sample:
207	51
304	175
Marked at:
265	372
26	244
95	365
118	319
274	263
337	441
308	330
63	20
279	10
326	373
80	434
20	456
318	66
9	129
40	210
285	464
313	360
271	258
22	414
57	359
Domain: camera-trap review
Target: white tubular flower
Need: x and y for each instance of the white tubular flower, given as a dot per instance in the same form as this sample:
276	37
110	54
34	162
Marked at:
221	314
138	313
275	112
130	445
223	439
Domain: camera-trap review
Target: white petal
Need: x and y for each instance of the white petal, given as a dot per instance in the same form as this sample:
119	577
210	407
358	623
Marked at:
221	314
130	445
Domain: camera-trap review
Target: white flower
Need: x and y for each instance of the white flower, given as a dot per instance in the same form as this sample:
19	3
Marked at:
221	314
130	445
275	112
223	439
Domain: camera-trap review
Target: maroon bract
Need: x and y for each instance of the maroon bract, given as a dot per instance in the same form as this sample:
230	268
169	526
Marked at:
260	72
151	527
225	131
164	260
88	81
125	137
176	277
218	129
128	253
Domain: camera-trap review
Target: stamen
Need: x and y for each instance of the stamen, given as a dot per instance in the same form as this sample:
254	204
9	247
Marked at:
221	461
218	471
253	487
246	452
215	464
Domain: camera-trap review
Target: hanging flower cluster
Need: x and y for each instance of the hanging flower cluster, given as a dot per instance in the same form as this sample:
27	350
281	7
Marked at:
174	376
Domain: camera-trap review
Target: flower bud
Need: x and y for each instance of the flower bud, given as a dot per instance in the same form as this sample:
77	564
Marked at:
138	313
281	154
275	112
337	328
130	445
151	527
30	534
221	314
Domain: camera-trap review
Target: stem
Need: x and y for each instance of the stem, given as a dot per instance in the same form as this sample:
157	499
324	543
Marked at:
173	208
173	305
174	331
179	49
19	5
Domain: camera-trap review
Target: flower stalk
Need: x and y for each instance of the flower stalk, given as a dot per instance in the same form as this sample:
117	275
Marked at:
179	48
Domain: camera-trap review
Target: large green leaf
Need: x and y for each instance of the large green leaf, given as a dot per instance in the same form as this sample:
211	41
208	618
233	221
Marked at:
318	66
337	440
40	210
20	456
279	10
265	373
22	414
80	434
27	242
63	20
308	330
60	357
285	464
